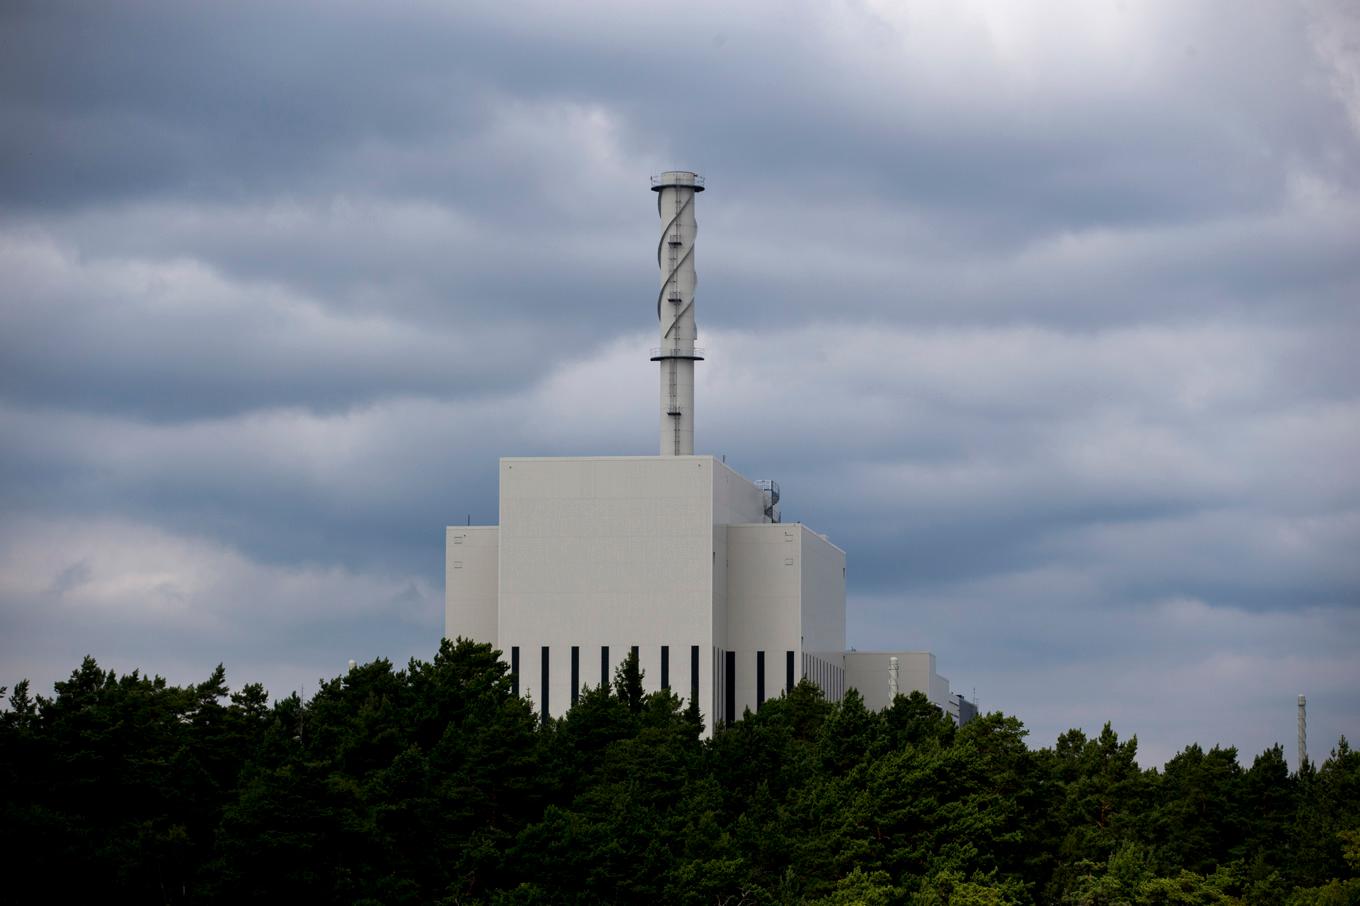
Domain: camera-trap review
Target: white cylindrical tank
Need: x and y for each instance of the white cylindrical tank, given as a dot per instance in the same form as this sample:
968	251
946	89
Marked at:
675	308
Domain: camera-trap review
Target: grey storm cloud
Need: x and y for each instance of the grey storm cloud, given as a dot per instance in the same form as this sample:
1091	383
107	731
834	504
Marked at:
1046	314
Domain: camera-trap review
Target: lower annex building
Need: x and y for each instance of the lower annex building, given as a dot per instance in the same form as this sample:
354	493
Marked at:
676	557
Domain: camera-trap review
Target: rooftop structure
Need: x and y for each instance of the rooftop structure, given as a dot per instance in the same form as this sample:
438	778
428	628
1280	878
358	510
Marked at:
676	557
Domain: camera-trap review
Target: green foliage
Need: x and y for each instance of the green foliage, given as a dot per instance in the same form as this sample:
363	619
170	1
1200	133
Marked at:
1203	818
1188	889
951	888
435	783
1328	803
1333	893
628	683
861	888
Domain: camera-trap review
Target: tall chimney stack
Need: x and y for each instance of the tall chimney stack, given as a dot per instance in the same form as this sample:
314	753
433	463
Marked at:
1303	731
675	308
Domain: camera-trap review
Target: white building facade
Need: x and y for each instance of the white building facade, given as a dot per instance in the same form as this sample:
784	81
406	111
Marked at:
674	556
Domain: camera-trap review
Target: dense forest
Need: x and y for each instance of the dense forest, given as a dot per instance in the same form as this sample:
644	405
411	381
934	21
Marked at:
435	784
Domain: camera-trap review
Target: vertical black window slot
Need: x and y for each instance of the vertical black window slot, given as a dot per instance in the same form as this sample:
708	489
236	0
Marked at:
604	666
730	692
665	667
575	673
694	674
788	671
719	699
514	670
545	684
760	679
717	687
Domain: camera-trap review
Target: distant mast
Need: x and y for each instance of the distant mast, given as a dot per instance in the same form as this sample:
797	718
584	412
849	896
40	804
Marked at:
1303	732
675	308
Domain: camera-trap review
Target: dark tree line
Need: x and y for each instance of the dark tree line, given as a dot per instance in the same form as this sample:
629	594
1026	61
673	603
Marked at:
435	784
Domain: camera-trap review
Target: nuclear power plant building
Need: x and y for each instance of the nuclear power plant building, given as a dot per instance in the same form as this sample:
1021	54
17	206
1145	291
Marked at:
676	557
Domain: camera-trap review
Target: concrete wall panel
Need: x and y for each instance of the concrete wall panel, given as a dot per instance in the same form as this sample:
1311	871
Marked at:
867	671
470	582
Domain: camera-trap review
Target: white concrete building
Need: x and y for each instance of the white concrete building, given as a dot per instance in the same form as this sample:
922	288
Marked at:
671	555
675	556
879	675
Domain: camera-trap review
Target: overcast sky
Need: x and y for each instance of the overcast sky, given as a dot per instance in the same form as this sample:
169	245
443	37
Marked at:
1047	313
